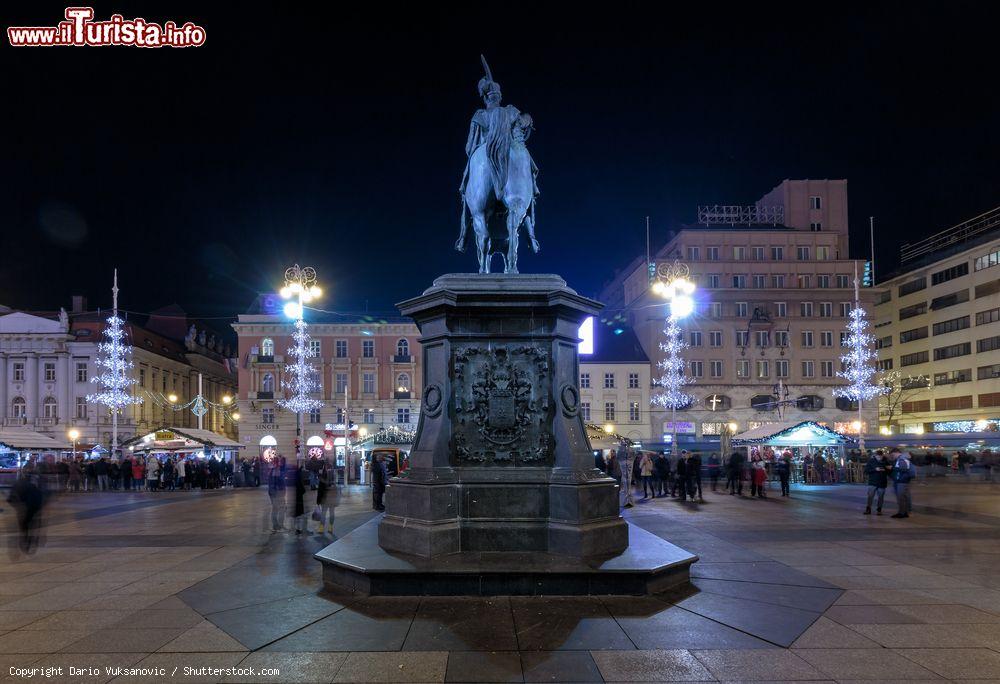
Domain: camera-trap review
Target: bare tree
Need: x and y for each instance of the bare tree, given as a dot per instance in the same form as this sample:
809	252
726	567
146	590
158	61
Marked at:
899	390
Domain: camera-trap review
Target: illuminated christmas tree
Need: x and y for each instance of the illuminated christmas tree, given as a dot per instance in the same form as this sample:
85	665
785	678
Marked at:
301	381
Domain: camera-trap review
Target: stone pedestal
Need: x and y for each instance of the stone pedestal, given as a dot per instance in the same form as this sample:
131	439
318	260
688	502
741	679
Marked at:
501	461
501	496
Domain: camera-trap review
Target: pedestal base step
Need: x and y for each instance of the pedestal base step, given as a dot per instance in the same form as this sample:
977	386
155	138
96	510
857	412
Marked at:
356	564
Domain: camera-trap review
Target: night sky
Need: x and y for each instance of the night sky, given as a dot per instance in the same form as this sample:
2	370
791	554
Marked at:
318	134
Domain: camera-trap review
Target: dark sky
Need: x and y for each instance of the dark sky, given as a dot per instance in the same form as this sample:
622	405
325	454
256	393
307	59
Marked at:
320	134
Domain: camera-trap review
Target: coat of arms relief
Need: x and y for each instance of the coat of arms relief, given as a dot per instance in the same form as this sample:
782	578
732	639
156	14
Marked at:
501	406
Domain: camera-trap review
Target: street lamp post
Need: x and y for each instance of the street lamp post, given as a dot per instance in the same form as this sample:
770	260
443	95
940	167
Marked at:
74	435
300	288
673	284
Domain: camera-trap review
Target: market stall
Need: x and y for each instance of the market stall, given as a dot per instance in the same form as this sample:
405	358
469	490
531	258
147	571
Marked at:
818	453
17	446
188	441
395	443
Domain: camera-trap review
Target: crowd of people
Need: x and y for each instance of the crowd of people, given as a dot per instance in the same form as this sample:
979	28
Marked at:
135	473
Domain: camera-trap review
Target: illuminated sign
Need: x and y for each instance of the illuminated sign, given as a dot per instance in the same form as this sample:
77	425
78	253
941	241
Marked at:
586	334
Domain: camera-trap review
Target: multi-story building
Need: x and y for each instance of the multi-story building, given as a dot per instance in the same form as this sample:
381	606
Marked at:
47	361
938	327
774	290
615	382
375	363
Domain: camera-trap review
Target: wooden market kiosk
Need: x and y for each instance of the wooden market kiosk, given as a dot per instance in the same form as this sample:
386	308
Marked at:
802	438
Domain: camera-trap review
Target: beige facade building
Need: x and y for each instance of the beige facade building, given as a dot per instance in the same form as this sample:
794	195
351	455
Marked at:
774	289
938	325
615	383
47	361
370	375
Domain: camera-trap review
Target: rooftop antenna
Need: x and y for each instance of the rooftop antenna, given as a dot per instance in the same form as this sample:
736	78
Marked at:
871	225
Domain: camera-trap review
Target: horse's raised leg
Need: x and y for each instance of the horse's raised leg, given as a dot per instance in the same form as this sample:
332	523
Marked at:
482	242
515	214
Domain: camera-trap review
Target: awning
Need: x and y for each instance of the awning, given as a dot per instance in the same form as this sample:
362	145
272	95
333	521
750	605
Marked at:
180	439
600	439
801	433
26	440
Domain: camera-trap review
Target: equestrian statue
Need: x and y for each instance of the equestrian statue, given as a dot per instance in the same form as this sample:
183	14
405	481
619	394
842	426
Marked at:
499	185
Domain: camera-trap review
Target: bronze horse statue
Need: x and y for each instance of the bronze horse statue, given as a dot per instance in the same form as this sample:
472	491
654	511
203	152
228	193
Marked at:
498	188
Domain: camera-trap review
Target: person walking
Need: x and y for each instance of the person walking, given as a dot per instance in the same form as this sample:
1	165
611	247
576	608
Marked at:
138	473
75	474
126	473
903	471
877	469
661	474
379	478
181	473
714	469
693	471
152	473
784	469
326	499
101	472
734	476
646	473
276	493
680	477
758	473
298	494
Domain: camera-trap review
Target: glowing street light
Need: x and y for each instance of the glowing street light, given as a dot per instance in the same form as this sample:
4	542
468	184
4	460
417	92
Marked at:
301	288
172	398
609	428
74	435
226	399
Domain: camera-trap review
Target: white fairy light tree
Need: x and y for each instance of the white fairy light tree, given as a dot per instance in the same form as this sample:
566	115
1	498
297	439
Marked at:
115	379
859	363
673	378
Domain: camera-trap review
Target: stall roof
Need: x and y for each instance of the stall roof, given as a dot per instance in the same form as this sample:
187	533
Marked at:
26	440
801	433
183	439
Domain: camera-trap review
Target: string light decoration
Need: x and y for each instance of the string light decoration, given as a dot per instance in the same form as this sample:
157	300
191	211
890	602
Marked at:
301	381
115	380
860	361
673	379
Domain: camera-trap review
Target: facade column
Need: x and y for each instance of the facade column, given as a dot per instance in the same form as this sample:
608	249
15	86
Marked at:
65	381
4	395
31	362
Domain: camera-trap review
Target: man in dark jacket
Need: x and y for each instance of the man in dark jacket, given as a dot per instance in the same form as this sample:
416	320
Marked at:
693	472
680	477
379	478
734	476
877	469
661	474
903	471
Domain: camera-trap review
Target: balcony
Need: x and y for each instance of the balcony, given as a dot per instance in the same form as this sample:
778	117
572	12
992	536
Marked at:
47	421
403	395
270	358
15	420
265	395
402	359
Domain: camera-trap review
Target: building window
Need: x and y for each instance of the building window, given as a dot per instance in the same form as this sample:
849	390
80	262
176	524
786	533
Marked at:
267	416
826	369
953	403
403	382
267	347
843	281
50	409
403	348
885	365
713	280
807	338
314	415
757	253
340	349
949	300
778	281
762	369
741	309
804	281
81	371
18	371
952	351
267	383
806	309
715	338
952	325
693	254
368	416
913	310
826	338
815	202
822	253
739	253
953	377
739	281
49	371
715	369
368	349
585	411
991	259
340	383
368	380
696	369
609	411
339	420
609	381
314	348
781	338
81	408
802	253
781	368
18	408
584	380
914	359
950	273
808	369
633	381
777	253
763	338
712	253
990	316
695	338
759	282
826	309
142	377
633	411
822	281
988	344
815	226
403	415
742	338
781	309
716	309
742	368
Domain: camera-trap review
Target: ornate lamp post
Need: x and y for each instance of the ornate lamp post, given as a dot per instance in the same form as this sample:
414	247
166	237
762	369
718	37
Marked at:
300	288
673	284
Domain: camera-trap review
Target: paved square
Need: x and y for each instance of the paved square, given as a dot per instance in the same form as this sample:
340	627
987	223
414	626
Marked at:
798	589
